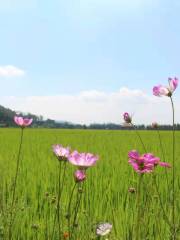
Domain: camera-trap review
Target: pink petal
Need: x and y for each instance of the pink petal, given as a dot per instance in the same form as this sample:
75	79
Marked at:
83	160
173	83
27	121
133	154
18	120
164	164
160	91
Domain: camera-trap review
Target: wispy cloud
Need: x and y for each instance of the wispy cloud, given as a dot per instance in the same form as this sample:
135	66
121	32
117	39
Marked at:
96	106
11	71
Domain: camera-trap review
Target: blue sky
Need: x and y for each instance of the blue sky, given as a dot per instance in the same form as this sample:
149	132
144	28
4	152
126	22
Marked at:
66	48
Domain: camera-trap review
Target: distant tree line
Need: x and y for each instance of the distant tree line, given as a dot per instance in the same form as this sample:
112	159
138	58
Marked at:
7	116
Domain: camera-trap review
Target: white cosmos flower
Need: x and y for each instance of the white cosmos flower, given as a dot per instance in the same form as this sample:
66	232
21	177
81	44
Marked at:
103	229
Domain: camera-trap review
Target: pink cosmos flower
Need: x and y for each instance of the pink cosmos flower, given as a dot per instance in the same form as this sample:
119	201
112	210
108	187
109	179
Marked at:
166	90
127	117
61	152
79	176
145	163
22	122
82	160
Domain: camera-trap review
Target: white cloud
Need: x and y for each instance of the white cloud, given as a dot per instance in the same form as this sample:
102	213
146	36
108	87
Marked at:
11	71
95	106
92	96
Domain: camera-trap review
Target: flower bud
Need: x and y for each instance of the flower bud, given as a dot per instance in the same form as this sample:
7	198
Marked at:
127	117
131	190
154	125
79	176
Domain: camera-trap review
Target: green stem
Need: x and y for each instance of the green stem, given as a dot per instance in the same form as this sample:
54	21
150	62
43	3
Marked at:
139	187
57	210
60	195
162	207
138	204
69	210
15	184
173	171
163	154
78	202
139	136
60	190
161	145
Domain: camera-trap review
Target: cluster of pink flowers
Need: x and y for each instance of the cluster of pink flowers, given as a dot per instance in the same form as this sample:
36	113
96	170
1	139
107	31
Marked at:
81	160
145	163
166	90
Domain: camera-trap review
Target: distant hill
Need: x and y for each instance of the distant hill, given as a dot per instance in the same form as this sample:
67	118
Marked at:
7	117
7	120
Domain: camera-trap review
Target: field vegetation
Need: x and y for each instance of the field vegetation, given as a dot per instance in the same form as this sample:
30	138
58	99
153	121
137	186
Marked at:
109	193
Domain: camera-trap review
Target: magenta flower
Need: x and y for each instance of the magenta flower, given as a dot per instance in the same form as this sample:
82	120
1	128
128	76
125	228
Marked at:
145	163
61	152
166	90
127	118
79	176
82	160
22	122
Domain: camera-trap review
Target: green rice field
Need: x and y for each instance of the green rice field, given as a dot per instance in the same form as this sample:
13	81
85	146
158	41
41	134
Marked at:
105	195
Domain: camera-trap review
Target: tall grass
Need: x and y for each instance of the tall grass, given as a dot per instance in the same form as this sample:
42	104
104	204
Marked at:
105	196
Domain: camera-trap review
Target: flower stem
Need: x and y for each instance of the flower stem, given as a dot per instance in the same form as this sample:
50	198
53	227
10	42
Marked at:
138	204
78	202
60	190
163	154
161	145
139	136
162	207
15	184
173	171
56	210
69	210
139	188
59	196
